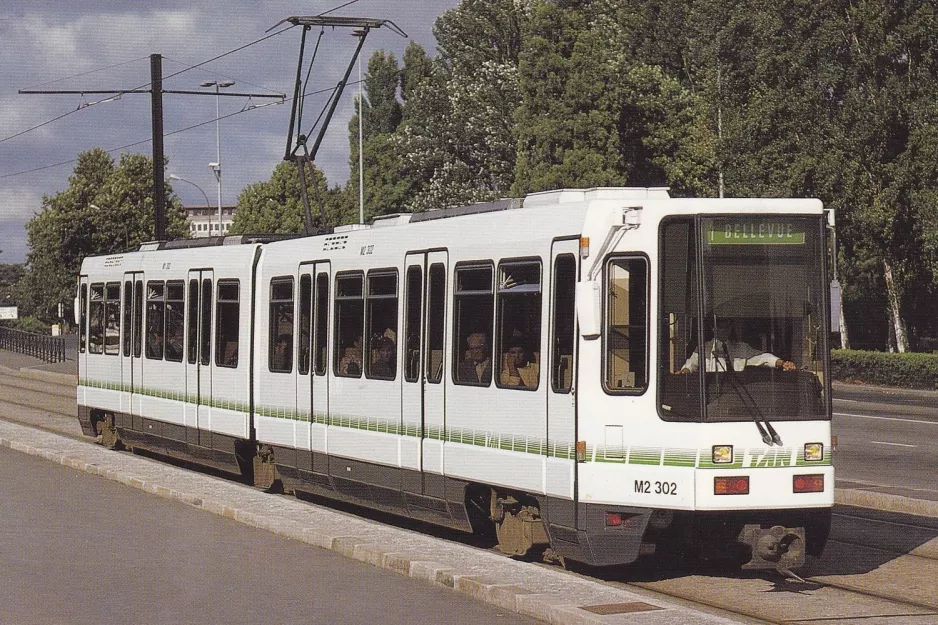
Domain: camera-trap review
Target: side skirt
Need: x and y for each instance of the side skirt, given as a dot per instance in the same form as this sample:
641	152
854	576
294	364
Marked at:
374	486
210	449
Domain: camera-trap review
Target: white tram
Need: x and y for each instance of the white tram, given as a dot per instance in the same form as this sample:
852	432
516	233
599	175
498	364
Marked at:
523	362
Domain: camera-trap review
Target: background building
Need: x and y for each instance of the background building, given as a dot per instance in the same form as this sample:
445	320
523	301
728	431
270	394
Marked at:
203	220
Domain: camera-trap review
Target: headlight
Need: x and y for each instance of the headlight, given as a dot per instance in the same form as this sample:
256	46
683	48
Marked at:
722	454
813	452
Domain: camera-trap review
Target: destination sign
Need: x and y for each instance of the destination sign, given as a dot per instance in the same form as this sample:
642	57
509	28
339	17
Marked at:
755	232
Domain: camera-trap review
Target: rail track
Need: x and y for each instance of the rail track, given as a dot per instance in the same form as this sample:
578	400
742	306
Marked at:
879	567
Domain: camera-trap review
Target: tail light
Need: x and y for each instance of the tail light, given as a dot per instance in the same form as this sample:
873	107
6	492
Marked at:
808	484
736	485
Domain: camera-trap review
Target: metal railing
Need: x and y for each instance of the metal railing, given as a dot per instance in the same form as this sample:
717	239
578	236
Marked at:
42	346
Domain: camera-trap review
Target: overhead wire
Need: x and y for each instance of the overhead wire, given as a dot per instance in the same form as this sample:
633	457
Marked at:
147	84
167	134
188	68
91	71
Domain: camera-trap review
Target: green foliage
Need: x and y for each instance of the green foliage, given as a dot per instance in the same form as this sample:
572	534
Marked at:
106	208
904	370
27	324
831	99
417	68
592	115
481	31
276	206
10	276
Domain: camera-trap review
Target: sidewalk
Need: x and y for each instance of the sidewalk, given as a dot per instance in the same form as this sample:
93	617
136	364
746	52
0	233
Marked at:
848	493
544	593
13	360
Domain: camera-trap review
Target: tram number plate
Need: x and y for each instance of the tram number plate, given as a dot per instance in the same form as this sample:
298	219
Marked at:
647	487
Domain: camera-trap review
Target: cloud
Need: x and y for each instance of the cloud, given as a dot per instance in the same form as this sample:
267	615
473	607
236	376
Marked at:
105	44
19	205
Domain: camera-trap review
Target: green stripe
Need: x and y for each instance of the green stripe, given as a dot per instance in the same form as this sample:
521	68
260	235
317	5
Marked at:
561	449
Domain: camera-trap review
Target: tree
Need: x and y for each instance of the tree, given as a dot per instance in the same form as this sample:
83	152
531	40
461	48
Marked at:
276	206
417	68
887	134
10	275
481	31
596	112
70	227
381	115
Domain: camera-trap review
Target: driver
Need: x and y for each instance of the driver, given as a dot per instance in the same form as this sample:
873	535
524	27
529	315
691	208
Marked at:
723	350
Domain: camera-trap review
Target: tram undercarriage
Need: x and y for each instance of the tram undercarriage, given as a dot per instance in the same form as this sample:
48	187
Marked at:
605	536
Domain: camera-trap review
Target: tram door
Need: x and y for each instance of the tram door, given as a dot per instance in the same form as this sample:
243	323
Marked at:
561	400
312	388
423	380
81	320
131	341
199	291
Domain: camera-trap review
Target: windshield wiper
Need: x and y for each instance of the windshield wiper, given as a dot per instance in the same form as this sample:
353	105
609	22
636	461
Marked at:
766	431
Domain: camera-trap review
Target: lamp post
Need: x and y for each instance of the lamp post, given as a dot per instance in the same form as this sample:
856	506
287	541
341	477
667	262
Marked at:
207	203
216	166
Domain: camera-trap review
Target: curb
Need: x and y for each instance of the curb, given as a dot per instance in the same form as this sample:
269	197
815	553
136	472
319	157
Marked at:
41	376
537	604
885	502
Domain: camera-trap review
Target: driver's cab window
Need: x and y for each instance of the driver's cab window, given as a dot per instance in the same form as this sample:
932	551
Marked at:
626	331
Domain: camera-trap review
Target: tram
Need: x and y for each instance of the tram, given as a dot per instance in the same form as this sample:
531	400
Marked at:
555	366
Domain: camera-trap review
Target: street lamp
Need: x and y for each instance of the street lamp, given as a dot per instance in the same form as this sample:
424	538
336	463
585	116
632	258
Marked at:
207	203
216	166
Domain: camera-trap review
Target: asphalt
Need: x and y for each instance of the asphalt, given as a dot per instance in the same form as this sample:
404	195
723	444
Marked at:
539	592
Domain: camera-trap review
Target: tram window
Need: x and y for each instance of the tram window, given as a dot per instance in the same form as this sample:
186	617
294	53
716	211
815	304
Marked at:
155	319
205	331
472	329
436	322
83	319
193	325
414	300
626	332
306	320
175	320
96	320
381	338
322	319
349	325
564	323
138	318
280	342
112	317
519	325
226	328
128	316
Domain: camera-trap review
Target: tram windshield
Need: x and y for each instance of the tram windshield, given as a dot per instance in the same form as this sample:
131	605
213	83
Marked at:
743	322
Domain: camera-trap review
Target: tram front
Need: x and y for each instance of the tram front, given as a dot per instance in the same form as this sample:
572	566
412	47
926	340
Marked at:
742	365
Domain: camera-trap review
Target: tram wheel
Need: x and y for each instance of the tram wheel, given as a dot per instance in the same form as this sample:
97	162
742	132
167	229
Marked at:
109	436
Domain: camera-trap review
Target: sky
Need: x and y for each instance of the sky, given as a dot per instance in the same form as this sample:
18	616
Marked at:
106	45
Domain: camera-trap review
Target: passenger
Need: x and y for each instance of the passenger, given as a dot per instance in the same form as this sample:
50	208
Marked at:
724	353
516	369
351	361
476	368
385	364
283	353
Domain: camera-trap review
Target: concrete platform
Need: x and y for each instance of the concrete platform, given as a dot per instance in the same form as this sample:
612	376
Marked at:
544	593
